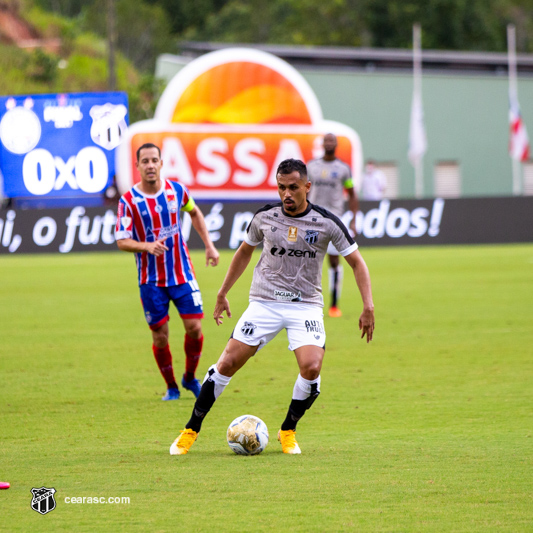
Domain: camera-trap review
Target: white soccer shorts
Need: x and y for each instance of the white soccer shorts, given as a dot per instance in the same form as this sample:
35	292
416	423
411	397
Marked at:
262	321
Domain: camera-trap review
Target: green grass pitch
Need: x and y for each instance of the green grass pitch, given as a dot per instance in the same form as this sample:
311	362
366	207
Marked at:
428	428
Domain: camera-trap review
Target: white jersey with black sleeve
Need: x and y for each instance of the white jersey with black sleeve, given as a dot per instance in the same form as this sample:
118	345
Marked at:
294	247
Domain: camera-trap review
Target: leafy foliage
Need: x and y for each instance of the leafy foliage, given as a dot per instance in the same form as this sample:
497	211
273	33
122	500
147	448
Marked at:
143	30
446	24
147	28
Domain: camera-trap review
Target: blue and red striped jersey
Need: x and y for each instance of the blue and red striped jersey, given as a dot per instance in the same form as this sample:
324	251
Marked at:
147	218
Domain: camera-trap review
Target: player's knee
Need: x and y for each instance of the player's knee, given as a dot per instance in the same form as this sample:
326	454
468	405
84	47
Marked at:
194	330
311	370
160	338
227	367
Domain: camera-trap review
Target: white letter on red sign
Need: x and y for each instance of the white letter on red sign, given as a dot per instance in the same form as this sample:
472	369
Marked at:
288	149
246	157
175	162
209	158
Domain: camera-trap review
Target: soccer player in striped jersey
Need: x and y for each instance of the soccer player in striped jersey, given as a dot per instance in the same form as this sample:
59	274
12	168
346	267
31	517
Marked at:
330	178
285	294
148	224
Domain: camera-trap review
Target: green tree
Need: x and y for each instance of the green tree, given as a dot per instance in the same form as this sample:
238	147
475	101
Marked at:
188	14
143	30
446	24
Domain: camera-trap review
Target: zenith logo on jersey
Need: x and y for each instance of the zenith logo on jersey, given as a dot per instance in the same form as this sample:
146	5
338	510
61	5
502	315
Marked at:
292	252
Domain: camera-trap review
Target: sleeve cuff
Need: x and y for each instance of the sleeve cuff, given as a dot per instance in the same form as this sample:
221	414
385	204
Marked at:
119	235
349	250
247	240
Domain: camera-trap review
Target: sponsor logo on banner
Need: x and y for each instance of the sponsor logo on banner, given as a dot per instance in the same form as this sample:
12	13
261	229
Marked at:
20	128
385	223
62	111
226	121
109	124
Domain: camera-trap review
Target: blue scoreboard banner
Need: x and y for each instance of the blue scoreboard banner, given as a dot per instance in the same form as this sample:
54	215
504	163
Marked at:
59	149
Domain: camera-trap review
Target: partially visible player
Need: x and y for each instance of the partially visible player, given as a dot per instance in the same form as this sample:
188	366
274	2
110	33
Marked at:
148	224
285	294
330	177
374	182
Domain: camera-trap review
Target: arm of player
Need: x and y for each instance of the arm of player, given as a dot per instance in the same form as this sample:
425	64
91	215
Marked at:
353	206
198	222
238	265
362	278
130	245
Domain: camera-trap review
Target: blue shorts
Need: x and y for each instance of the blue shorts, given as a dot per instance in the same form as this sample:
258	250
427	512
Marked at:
186	297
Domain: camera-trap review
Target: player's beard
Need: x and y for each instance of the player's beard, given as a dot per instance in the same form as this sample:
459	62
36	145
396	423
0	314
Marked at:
290	207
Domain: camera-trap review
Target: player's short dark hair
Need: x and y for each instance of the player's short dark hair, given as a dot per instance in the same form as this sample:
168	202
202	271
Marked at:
148	145
290	165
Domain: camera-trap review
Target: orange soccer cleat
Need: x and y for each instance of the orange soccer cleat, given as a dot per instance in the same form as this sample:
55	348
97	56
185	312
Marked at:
335	312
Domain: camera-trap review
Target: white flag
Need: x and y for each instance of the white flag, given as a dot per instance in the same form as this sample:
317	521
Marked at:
417	132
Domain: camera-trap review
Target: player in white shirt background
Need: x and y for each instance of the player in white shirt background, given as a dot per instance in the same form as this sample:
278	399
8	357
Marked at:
331	180
374	182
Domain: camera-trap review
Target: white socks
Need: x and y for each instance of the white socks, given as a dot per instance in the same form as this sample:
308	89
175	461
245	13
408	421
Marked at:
336	285
302	387
218	379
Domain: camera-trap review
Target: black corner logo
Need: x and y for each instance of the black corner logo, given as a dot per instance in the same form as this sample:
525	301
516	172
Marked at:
43	500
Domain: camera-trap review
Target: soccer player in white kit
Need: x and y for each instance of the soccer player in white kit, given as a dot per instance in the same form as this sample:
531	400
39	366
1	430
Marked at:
285	294
330	179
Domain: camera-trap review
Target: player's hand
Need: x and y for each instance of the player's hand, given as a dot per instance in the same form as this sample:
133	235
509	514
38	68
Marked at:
211	256
221	305
366	324
156	248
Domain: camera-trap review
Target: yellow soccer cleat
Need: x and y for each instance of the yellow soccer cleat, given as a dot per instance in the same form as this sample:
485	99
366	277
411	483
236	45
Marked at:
183	443
288	441
335	312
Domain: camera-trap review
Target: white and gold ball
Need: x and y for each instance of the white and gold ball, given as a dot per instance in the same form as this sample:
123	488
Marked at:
247	435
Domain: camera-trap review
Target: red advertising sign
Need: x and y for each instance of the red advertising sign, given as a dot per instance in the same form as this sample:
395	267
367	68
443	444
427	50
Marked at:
227	120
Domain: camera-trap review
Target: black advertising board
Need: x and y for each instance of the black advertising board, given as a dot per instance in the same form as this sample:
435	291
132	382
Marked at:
385	223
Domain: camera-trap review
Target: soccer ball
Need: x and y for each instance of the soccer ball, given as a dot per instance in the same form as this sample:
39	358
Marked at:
247	435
